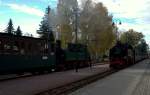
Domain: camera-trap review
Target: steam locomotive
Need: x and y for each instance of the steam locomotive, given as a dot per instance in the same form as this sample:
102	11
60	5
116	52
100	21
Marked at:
122	55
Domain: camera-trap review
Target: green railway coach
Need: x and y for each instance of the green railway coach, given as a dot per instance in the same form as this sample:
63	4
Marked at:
19	54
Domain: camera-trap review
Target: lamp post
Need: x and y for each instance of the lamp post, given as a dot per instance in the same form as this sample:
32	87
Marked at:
76	15
114	24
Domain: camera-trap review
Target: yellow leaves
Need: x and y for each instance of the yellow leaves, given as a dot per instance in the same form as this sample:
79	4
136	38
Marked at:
66	34
96	24
103	41
101	9
106	41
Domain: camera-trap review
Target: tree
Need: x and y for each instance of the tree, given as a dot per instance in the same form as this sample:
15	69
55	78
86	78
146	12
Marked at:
131	37
45	29
66	15
86	10
19	32
96	27
142	47
10	28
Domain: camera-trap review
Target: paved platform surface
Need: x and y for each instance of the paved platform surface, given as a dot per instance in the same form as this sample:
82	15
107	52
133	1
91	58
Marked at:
134	80
36	84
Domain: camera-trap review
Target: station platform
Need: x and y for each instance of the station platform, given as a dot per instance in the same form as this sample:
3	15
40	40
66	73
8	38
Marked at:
36	84
134	80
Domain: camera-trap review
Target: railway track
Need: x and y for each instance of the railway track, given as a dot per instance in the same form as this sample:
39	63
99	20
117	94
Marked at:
66	89
71	86
13	77
8	77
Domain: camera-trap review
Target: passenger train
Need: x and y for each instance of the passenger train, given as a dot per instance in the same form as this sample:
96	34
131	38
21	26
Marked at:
20	54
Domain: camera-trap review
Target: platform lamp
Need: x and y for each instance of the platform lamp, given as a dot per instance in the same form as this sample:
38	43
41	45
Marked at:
114	24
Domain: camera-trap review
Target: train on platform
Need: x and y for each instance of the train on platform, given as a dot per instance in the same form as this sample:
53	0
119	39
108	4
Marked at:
123	55
20	54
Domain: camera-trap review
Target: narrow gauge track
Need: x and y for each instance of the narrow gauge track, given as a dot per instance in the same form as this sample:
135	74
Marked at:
66	89
13	77
8	77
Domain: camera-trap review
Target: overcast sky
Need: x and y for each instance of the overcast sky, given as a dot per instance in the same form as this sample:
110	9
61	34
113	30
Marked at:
134	14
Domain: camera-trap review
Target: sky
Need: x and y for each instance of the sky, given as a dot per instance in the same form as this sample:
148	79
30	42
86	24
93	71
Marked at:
24	13
134	14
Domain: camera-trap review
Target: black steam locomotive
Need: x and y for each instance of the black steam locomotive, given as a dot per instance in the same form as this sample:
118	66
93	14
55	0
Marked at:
122	55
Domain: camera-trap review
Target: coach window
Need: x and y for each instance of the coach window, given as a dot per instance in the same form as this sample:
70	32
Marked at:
30	49
22	48
7	48
15	46
39	48
33	49
45	49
